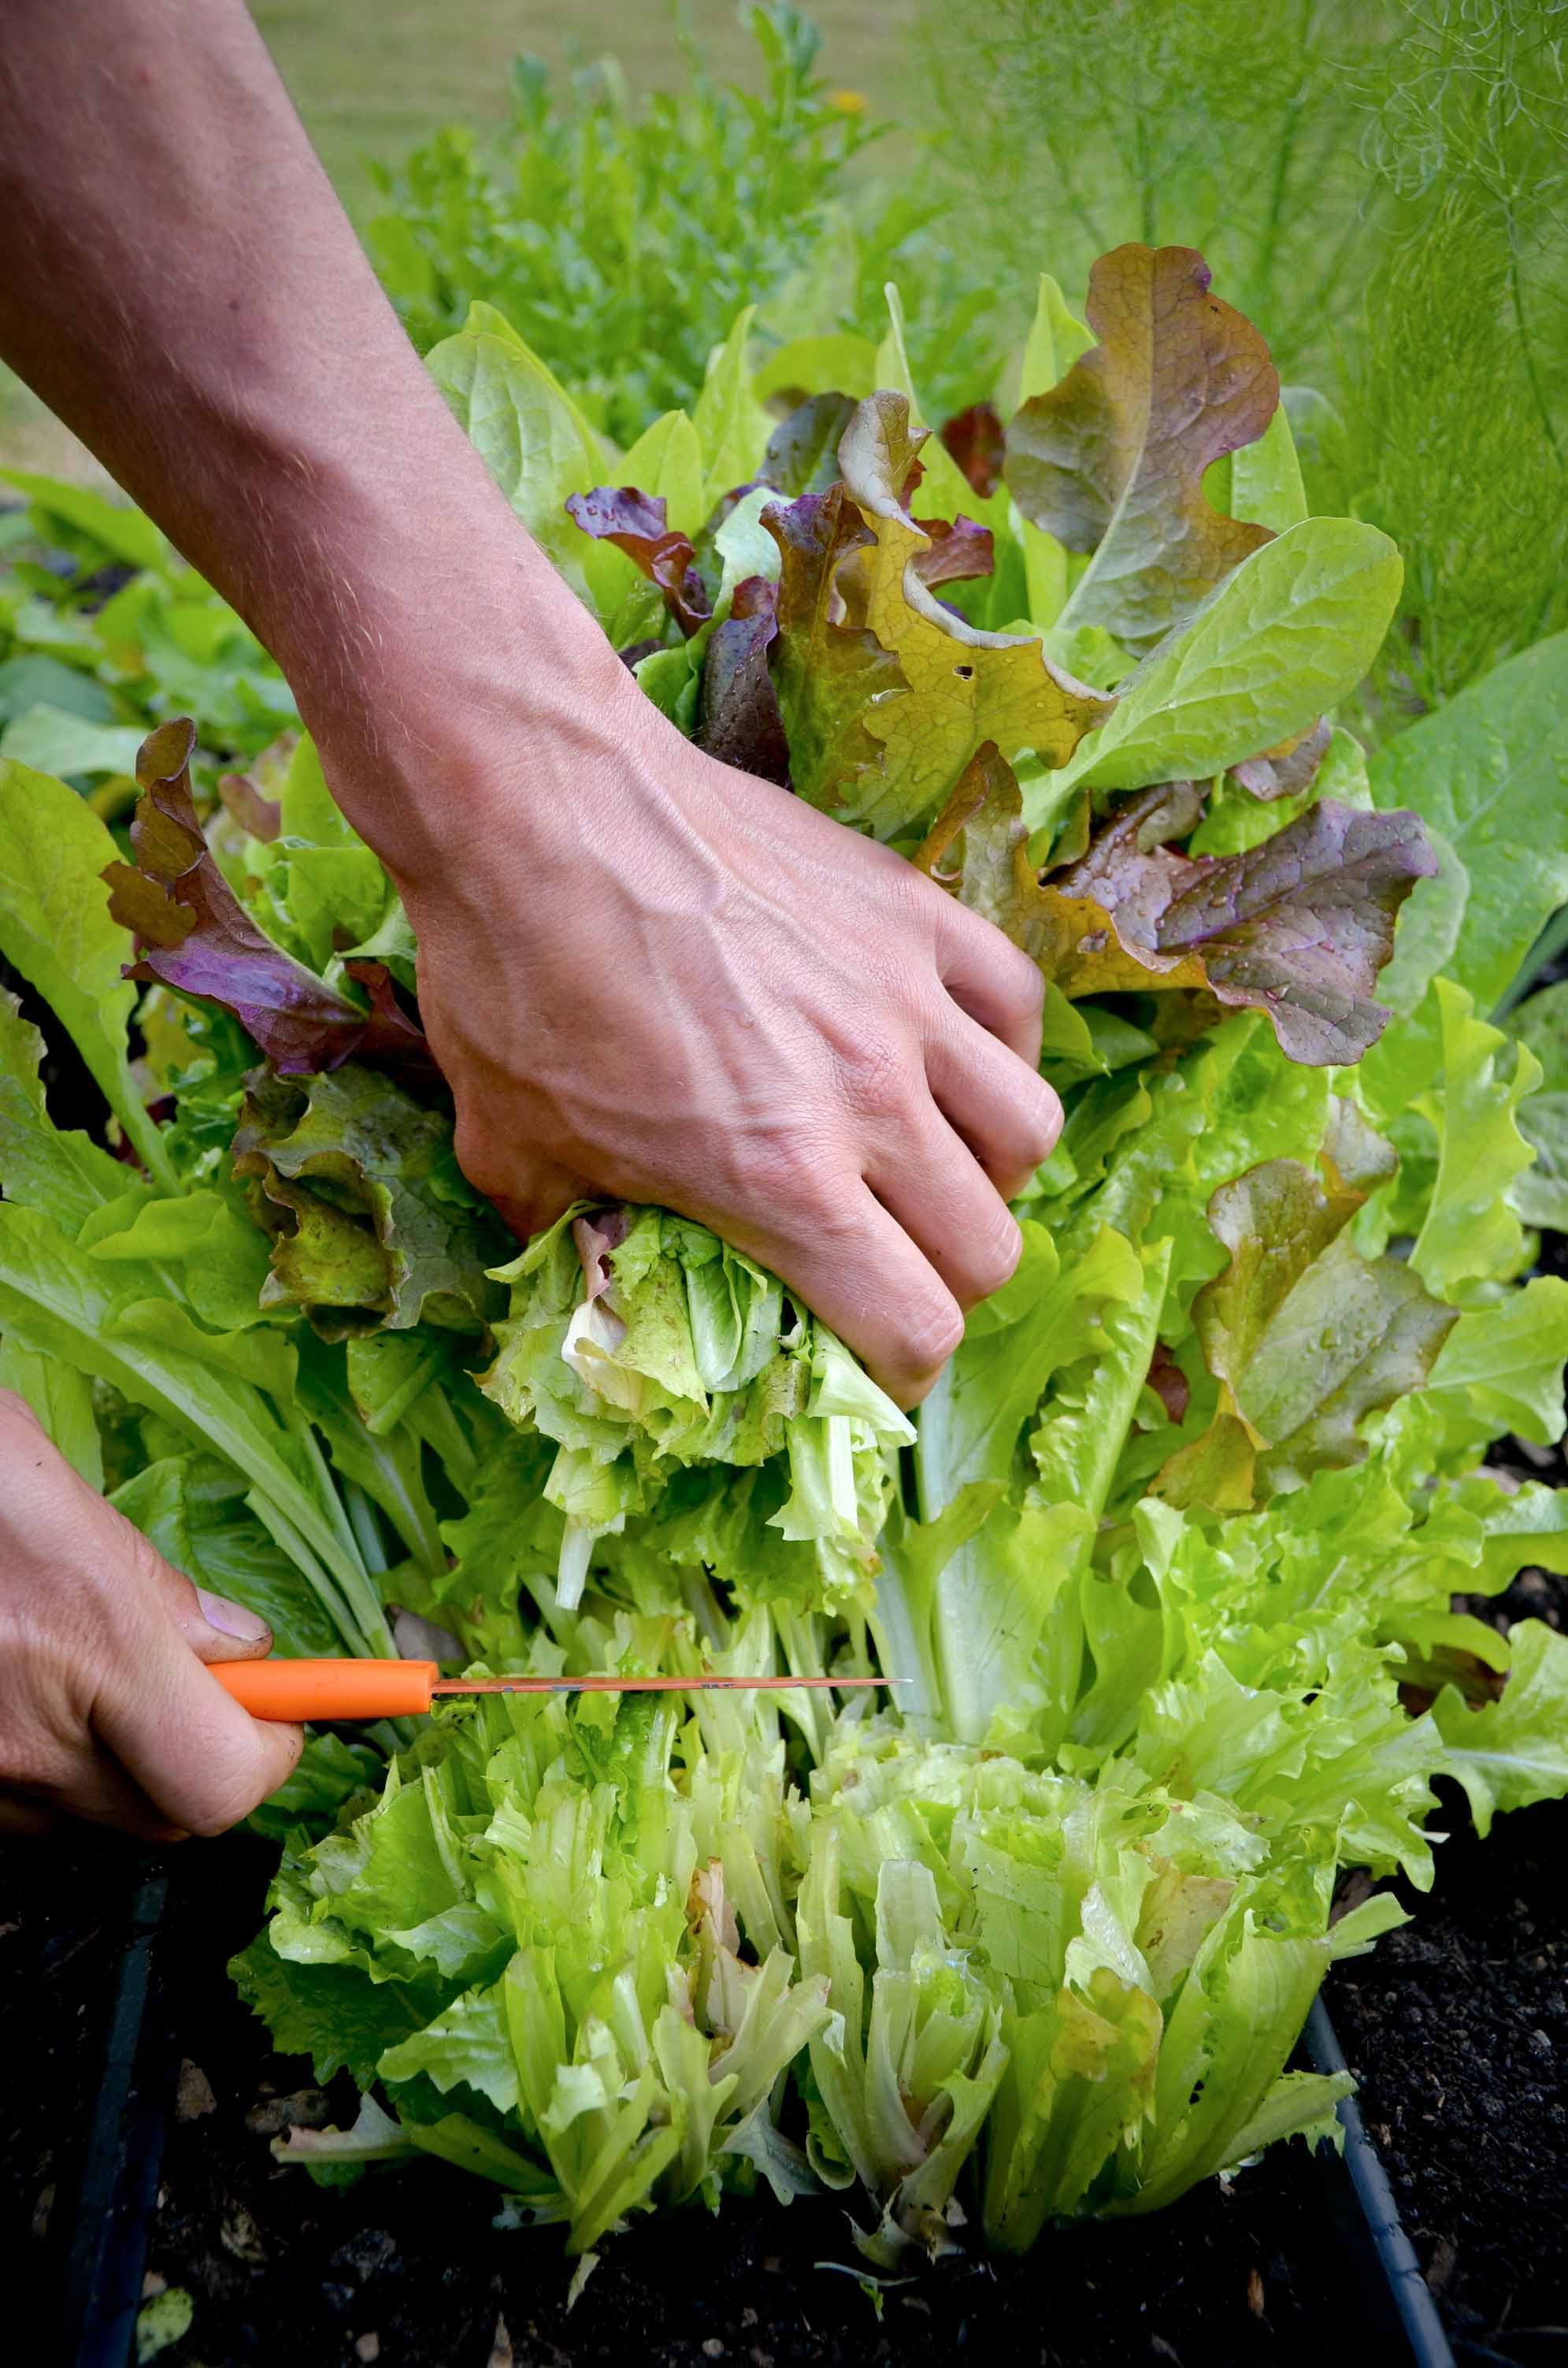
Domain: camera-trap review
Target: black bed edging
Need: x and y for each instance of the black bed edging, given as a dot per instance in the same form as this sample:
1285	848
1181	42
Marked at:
116	2192
1412	2296
117	2186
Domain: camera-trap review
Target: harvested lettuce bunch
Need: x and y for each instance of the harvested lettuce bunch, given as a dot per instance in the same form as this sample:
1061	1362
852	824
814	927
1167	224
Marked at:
643	1345
530	1942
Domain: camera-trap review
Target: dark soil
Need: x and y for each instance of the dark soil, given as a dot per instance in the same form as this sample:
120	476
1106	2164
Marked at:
1457	2029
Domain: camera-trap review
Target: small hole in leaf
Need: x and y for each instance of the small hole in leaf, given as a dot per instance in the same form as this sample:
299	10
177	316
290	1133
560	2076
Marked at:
964	673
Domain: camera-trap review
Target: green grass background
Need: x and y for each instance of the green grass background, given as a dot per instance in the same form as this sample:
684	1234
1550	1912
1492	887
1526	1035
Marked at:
370	77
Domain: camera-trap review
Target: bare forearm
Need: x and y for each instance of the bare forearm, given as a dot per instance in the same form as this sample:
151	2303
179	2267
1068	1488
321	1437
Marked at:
183	288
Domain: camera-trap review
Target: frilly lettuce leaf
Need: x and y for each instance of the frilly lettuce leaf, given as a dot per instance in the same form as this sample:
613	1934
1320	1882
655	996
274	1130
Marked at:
641	1344
1539	1194
1298	926
192	932
370	1220
544	1925
1514	1750
1470	1235
961	687
1111	460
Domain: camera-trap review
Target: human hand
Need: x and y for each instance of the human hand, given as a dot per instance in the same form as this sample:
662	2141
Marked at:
647	976
106	1713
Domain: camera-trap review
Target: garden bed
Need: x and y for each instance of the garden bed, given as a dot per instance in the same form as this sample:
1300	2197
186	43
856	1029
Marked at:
275	2266
1456	2027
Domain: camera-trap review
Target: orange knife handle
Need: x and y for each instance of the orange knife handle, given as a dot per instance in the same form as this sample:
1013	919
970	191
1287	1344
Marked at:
290	1691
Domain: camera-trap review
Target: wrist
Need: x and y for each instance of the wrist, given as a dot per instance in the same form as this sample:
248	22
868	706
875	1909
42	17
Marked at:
458	685
508	727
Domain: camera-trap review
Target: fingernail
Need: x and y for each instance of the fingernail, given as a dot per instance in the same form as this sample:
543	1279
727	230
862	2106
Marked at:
231	1619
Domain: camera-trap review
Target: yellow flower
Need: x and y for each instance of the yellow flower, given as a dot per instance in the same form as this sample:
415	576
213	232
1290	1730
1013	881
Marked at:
847	102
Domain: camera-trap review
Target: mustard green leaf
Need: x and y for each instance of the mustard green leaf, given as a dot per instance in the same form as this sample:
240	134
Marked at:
666	463
1290	632
63	1173
527	430
1266	478
730	424
55	928
1485	770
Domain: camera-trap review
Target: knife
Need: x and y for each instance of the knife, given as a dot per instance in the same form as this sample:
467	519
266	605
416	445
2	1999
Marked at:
292	1691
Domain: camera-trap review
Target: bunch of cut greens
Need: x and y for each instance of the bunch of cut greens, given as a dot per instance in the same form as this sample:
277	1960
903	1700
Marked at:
1169	1564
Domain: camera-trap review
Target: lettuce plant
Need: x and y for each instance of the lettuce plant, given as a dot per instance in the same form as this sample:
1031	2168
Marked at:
1166	1566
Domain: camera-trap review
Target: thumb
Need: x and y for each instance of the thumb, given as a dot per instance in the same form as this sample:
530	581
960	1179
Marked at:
217	1628
188	1745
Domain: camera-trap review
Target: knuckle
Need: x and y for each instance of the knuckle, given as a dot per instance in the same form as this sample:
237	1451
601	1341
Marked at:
873	1069
782	1170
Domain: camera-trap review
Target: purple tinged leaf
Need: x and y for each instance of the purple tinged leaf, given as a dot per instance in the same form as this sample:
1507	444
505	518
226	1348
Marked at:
960	687
738	717
959	553
193	933
802	452
828	673
978	848
1285	771
1297	928
1111	460
977	441
1305	1337
635	523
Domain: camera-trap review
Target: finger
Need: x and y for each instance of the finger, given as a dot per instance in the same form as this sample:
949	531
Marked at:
1004	1111
854	1266
96	1792
936	1190
201	1760
214	1628
992	979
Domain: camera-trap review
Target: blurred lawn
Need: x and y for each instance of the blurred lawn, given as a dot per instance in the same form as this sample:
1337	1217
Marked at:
372	77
